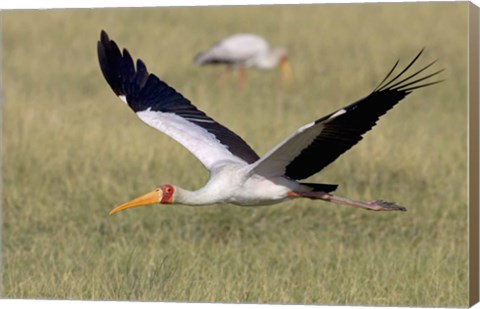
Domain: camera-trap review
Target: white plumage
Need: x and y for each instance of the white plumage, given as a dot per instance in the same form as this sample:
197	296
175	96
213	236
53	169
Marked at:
201	143
237	174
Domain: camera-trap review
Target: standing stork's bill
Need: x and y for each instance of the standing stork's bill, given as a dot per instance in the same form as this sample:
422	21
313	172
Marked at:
237	174
241	51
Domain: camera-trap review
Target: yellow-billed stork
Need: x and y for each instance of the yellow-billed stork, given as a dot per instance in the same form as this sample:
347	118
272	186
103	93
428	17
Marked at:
241	51
237	174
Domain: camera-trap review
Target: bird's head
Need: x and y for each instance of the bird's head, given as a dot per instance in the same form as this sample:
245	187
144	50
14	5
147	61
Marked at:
161	195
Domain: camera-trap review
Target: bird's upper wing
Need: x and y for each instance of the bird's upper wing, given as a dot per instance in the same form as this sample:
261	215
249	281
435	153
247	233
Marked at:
163	108
317	144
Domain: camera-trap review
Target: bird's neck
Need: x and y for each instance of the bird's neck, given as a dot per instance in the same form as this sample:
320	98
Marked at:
270	59
267	61
193	198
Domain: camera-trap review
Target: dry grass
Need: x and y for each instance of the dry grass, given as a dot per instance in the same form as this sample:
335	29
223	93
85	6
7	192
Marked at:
71	151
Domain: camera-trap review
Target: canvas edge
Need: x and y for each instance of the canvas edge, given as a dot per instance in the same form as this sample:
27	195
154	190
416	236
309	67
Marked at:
473	153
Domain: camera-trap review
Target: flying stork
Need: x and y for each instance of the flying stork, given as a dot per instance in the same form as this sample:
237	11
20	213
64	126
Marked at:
241	51
237	174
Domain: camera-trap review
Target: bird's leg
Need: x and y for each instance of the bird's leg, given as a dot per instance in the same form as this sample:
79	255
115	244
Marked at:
377	205
241	77
224	76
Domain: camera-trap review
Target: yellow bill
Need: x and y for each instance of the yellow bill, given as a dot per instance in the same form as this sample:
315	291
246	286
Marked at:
286	70
150	198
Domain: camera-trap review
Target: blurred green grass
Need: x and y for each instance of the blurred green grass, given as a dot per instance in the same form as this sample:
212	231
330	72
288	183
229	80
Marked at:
71	151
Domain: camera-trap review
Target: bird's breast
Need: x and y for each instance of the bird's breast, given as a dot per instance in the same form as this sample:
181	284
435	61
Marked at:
233	184
261	191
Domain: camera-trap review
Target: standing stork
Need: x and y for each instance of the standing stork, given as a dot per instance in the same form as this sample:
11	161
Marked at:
241	51
237	174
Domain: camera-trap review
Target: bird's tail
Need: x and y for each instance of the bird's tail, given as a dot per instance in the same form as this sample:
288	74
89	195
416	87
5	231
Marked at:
201	58
209	58
320	187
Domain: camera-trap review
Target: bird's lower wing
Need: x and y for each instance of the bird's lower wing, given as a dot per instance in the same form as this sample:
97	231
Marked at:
166	110
317	144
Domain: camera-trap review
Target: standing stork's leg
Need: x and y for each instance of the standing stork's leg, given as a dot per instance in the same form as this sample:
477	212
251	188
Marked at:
224	76
241	77
377	205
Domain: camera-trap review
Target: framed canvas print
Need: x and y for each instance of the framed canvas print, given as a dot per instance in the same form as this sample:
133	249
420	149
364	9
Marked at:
312	154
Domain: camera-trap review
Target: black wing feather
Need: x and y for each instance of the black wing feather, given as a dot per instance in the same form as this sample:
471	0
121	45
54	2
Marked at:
146	91
342	132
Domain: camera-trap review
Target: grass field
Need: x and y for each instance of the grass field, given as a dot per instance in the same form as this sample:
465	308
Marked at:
72	151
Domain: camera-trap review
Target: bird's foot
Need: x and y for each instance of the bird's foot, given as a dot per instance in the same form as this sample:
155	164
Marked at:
381	205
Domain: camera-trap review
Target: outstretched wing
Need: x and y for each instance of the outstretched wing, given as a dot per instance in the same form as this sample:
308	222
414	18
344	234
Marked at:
163	108
317	144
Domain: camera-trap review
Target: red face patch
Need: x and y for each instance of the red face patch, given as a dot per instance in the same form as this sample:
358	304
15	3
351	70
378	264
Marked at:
168	192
